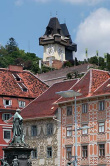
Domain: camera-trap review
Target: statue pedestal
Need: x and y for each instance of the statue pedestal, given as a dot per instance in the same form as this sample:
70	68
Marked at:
19	154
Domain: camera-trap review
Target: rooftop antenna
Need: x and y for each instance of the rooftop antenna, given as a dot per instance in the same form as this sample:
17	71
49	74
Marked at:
65	20
29	46
50	14
56	13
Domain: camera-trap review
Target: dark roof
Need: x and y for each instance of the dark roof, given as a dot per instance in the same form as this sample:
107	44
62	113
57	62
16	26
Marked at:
53	26
66	32
43	105
56	75
57	33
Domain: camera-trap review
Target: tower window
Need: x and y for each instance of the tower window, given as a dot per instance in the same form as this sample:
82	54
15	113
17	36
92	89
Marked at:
58	30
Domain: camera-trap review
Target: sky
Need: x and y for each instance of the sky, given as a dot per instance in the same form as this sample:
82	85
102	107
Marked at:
88	22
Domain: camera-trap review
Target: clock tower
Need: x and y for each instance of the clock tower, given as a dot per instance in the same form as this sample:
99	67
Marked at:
57	42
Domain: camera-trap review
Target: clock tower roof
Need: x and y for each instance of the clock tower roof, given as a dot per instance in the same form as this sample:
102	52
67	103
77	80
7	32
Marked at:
66	32
58	33
53	27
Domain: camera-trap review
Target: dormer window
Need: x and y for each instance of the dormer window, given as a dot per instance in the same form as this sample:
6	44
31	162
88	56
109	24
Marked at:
49	31
23	87
16	76
58	30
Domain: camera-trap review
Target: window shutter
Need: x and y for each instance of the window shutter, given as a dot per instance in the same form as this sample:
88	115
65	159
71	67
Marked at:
54	128
32	154
4	102
45	129
10	102
31	130
3	116
39	130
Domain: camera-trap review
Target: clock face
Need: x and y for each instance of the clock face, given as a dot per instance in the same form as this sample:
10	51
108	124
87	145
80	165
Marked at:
50	50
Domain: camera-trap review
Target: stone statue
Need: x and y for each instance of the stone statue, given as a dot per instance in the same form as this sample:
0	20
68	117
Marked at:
18	136
15	161
4	162
29	163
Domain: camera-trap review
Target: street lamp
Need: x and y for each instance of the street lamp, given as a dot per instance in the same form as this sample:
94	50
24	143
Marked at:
67	94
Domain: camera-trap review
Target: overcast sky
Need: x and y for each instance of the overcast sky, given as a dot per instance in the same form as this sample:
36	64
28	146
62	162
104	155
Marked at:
88	22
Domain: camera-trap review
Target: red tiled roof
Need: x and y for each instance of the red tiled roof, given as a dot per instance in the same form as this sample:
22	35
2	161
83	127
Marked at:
104	88
43	105
89	83
9	86
98	78
94	82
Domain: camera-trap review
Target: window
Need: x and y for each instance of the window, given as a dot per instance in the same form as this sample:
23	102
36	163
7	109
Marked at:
101	127
84	151
85	130
101	105
69	131
7	134
7	102
101	150
23	87
69	110
68	152
84	108
33	130
21	104
6	116
49	152
16	76
34	154
49	129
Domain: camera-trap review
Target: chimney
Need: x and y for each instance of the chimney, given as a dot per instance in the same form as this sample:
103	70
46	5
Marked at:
15	68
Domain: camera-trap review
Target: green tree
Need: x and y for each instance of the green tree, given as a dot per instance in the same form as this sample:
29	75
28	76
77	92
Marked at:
11	45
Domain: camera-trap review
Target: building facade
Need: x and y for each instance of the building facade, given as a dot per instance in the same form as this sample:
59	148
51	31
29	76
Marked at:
42	126
49	123
17	89
93	145
93	116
